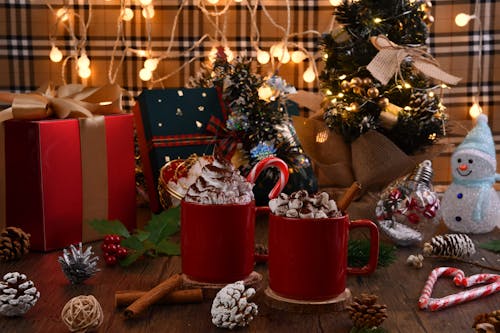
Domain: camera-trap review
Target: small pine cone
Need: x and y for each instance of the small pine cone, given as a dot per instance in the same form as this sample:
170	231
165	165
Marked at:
78	265
487	322
17	294
422	102
366	313
231	309
450	245
14	243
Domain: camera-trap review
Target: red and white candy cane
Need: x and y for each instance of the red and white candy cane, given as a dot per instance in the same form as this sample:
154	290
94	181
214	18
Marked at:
425	301
268	162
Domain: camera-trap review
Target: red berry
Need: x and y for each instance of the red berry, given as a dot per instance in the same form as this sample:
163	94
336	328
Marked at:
108	239
110	260
104	247
116	239
112	248
121	252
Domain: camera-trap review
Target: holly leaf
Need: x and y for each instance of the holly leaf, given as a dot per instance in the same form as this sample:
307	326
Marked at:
142	235
106	227
168	248
131	258
163	225
134	243
492	245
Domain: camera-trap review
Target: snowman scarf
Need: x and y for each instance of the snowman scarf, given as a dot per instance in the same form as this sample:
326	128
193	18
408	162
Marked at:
483	185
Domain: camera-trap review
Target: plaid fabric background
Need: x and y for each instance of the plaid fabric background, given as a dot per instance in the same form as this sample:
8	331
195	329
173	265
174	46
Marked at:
25	27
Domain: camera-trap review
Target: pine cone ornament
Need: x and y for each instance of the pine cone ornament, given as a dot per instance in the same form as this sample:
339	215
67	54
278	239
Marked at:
366	313
17	294
231	309
487	322
14	243
450	245
422	102
78	265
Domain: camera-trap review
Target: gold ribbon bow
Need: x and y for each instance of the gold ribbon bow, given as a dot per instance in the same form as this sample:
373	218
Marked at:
70	101
388	60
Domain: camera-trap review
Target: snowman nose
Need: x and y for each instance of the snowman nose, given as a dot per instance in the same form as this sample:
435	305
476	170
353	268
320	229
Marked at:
463	167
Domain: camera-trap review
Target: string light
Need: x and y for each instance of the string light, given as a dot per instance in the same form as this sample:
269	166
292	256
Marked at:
475	110
55	54
148	12
63	14
263	57
213	2
127	14
377	20
285	57
145	2
335	3
276	50
151	64
145	74
298	56
84	72
309	75
463	19
83	61
265	92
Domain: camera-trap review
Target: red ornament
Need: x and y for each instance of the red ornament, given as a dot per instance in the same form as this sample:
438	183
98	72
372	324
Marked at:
413	218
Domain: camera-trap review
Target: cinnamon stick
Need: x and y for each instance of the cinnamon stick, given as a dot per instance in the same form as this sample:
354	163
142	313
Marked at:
127	297
152	296
348	196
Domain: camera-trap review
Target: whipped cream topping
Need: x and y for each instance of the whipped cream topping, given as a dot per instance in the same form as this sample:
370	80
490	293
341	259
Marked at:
220	183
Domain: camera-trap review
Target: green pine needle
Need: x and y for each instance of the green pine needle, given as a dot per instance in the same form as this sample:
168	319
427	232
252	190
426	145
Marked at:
368	330
358	251
492	245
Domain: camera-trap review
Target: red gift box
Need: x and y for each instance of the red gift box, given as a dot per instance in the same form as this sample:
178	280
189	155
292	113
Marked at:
59	174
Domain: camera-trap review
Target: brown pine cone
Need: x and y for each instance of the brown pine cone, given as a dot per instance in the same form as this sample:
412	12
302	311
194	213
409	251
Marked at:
487	322
366	313
14	243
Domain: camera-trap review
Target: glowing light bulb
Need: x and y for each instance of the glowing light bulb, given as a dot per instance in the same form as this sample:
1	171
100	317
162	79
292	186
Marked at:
141	53
238	0
407	85
213	2
145	2
325	56
148	12
84	72
212	55
265	92
475	110
298	56
377	20
127	14
276	50
462	19
309	75
263	57
229	54
335	3
83	61
63	14
285	57
55	54
145	74
151	64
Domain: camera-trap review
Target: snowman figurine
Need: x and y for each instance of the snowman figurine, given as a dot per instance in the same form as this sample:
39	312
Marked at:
471	204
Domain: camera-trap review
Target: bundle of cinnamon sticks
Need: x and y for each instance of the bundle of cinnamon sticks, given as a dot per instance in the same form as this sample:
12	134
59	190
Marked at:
167	292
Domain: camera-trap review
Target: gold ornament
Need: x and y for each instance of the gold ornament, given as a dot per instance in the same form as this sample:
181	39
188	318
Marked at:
367	82
345	86
356	82
428	19
354	107
372	92
358	90
383	102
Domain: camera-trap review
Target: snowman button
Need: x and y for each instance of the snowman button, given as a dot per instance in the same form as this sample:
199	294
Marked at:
458	218
460	195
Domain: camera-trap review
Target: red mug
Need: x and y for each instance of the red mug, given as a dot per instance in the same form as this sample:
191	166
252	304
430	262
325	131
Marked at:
308	257
217	241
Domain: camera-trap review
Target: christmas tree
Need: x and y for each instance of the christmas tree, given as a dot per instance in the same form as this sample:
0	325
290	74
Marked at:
258	123
361	95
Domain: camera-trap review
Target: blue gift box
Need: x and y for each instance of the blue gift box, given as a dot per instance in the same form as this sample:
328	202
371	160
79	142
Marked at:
173	124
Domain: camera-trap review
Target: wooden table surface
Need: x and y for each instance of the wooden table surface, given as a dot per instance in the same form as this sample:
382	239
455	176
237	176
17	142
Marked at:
398	286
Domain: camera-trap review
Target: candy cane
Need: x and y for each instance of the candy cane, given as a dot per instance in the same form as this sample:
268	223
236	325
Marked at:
427	303
268	162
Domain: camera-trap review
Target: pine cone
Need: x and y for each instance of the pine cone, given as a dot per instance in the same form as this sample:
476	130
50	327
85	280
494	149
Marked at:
422	102
17	294
231	308
77	265
14	243
450	245
487	322
366	313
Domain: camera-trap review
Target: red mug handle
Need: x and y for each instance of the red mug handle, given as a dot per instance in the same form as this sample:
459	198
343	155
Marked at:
374	247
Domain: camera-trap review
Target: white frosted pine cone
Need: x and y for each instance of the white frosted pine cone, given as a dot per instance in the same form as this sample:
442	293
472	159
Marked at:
17	294
231	309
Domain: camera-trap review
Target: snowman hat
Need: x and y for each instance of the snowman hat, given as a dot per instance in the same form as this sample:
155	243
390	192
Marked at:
480	139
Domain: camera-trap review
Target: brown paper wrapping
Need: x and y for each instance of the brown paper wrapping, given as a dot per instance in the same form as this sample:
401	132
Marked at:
3	207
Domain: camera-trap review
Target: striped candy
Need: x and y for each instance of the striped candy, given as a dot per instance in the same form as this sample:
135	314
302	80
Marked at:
425	301
268	162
